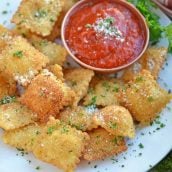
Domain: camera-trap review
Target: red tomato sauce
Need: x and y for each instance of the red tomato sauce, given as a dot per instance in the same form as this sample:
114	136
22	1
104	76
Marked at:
104	34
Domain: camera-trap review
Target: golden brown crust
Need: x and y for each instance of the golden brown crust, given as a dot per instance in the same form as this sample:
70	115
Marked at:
7	88
14	115
104	91
102	145
22	138
79	117
144	98
38	16
116	120
60	145
46	95
20	61
5	37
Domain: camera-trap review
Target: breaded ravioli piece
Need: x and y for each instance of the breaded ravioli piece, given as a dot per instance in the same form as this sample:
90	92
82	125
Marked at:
117	120
104	92
20	62
22	138
103	144
144	98
60	145
47	95
38	16
78	79
152	60
79	117
14	115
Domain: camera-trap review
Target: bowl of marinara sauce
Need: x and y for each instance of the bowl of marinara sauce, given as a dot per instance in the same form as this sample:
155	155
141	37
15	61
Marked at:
105	35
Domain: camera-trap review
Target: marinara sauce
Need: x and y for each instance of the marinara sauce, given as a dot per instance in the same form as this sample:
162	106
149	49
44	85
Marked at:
104	34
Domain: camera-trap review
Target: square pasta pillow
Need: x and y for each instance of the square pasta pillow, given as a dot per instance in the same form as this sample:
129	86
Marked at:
144	98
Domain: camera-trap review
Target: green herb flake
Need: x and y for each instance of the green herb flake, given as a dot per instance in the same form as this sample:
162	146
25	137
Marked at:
40	14
95	166
64	129
52	20
51	129
139	79
93	100
141	146
7	99
18	54
116	88
106	85
22	152
38	168
110	20
4	12
112	125
150	99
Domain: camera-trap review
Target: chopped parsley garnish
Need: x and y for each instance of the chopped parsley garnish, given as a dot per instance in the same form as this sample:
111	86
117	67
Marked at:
116	88
43	43
93	101
18	54
95	166
22	151
51	129
38	168
141	146
52	20
150	99
139	79
64	129
7	99
37	132
4	12
106	85
112	125
40	14
110	20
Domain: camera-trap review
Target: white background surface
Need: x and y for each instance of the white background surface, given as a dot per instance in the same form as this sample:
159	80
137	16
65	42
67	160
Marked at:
156	145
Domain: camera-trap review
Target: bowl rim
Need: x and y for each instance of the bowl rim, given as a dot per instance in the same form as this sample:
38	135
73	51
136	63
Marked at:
128	5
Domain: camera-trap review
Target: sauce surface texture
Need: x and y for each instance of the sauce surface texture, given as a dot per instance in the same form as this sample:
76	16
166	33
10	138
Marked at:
104	34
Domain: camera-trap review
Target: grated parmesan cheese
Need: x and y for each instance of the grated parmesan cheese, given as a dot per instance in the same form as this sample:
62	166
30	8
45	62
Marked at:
106	26
91	109
25	79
